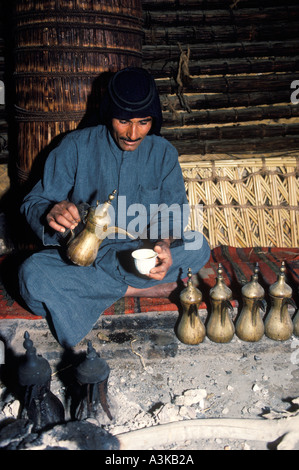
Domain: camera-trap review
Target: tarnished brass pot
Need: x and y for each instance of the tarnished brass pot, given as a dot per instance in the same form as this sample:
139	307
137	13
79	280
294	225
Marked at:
190	330
278	323
220	327
249	325
83	249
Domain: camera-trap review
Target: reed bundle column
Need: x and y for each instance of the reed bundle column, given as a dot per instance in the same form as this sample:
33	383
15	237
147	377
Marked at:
61	48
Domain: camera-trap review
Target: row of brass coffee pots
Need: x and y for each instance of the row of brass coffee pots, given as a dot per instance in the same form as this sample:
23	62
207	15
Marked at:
220	327
250	325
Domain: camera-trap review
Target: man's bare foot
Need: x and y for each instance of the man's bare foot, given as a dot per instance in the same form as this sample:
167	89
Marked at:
159	291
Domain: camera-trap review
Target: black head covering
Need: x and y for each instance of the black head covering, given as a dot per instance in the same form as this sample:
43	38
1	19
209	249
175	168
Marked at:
132	93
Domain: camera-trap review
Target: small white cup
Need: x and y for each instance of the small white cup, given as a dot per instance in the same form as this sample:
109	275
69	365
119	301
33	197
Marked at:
145	260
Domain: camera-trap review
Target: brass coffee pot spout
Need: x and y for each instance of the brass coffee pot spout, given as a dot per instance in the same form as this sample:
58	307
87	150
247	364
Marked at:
258	304
226	306
296	320
83	249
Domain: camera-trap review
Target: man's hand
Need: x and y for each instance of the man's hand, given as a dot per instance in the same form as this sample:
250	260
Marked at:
162	247
63	215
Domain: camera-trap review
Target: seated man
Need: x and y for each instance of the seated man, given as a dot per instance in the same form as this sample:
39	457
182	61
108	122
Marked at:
126	153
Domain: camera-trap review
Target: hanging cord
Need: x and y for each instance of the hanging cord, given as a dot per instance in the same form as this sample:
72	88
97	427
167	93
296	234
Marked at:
234	4
183	75
169	105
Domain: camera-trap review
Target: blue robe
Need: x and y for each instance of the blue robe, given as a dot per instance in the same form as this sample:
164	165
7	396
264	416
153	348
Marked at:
85	168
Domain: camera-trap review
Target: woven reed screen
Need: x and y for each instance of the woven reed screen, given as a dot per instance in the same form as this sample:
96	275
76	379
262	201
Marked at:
245	203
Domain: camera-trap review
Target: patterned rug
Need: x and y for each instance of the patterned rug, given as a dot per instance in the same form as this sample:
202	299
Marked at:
238	266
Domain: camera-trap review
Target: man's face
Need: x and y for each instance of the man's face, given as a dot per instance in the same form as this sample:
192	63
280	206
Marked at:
129	134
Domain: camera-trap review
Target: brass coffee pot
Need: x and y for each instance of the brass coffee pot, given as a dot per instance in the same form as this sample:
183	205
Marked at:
83	249
250	326
191	330
296	322
220	327
278	324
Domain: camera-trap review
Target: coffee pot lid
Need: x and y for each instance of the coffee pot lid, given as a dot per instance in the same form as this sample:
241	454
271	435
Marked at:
280	288
35	370
190	295
220	291
93	369
253	290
